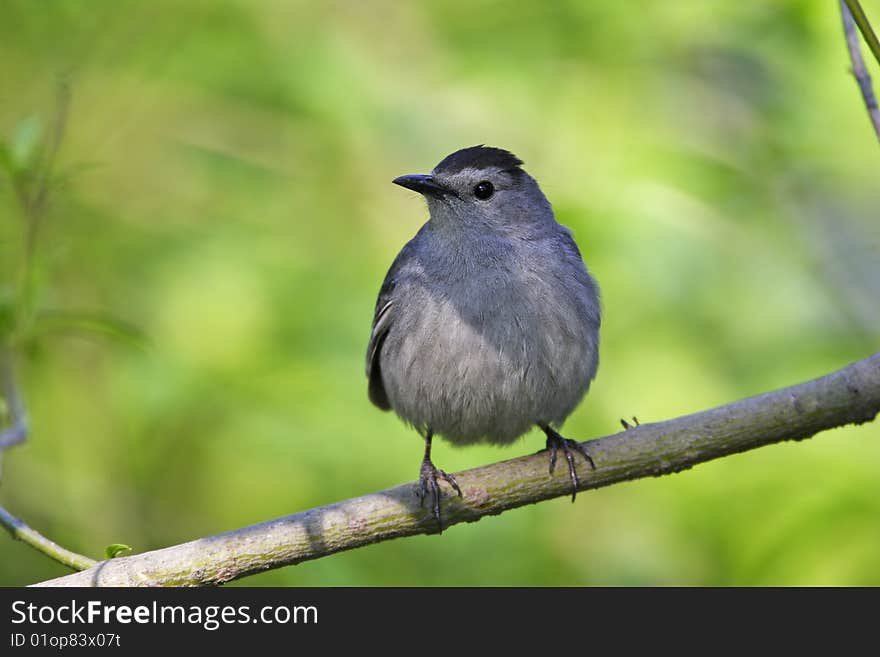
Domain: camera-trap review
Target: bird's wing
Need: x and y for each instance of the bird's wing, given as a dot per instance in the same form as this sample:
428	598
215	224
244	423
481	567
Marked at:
568	243
382	320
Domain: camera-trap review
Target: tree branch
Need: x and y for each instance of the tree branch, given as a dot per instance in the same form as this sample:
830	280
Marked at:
20	530
850	395
855	9
15	434
859	71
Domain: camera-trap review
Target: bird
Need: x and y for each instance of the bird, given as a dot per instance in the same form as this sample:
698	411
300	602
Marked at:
487	322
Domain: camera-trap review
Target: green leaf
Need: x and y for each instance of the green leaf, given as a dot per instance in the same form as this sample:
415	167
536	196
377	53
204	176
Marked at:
25	142
113	550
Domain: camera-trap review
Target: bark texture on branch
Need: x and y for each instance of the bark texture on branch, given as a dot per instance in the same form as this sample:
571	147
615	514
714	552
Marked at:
850	395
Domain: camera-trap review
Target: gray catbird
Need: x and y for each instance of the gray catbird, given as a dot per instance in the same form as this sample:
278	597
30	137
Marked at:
488	321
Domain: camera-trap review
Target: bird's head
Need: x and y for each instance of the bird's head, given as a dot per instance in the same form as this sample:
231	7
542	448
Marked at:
480	187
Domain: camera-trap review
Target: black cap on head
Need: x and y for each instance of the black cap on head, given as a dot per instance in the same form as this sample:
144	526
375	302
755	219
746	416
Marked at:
479	157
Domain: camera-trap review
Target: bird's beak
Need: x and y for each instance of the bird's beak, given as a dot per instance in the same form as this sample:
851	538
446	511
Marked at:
423	184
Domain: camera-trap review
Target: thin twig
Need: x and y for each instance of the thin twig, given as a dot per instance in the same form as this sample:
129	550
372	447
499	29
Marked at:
47	164
859	71
33	202
17	433
850	395
20	530
864	27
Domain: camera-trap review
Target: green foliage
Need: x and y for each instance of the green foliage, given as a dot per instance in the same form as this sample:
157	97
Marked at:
25	141
115	549
223	185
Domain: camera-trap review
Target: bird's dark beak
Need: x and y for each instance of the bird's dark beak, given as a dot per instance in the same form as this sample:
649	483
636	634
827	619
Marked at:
423	184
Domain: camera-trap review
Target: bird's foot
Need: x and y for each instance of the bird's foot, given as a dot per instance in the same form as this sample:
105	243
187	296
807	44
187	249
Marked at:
627	425
555	442
428	484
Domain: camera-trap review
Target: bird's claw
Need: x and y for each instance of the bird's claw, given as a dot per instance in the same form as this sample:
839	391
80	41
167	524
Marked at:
428	477
555	442
627	425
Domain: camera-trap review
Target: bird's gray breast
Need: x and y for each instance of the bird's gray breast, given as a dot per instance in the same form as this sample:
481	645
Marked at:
487	355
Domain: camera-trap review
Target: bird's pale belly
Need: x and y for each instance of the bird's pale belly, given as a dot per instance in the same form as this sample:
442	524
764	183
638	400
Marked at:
489	377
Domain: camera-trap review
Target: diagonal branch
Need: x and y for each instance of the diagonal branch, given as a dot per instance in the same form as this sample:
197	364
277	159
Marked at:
20	530
859	71
858	14
850	395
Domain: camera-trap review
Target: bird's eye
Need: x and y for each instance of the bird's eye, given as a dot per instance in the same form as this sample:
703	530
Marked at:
484	190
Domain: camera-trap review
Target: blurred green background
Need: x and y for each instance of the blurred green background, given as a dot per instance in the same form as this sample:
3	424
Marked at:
223	185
